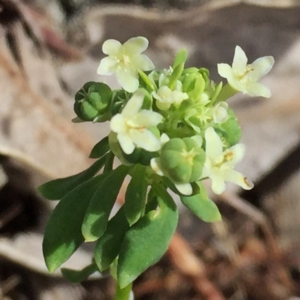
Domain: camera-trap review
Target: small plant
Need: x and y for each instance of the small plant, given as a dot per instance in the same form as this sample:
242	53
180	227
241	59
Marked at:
170	130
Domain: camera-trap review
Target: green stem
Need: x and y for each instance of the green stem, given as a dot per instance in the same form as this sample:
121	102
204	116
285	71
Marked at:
109	162
226	92
123	294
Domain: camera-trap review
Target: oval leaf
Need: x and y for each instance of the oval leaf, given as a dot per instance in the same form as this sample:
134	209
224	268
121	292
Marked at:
109	244
146	242
77	276
63	232
180	58
58	188
101	204
100	148
135	197
202	206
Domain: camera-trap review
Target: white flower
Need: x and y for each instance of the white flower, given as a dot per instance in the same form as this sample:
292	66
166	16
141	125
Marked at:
219	164
125	61
165	97
243	77
132	124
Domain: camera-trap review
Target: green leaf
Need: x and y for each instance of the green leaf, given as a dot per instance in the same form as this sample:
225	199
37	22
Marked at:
180	58
109	244
63	232
146	80
175	76
202	206
135	197
58	188
97	214
146	241
100	148
76	276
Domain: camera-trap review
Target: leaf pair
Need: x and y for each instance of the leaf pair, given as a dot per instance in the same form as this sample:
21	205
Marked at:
81	215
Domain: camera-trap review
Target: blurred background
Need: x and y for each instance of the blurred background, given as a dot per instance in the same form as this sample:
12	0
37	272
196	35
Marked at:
49	49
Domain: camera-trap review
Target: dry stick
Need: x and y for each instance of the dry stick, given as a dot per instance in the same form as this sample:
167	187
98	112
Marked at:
259	218
191	266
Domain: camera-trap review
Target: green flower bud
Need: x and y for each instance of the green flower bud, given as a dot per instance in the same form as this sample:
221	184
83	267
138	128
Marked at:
92	102
118	99
193	84
230	131
182	160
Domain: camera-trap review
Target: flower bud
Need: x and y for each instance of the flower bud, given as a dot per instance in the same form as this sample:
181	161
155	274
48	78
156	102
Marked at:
230	131
182	160
92	102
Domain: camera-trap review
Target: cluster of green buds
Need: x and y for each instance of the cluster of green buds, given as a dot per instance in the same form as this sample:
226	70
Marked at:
170	129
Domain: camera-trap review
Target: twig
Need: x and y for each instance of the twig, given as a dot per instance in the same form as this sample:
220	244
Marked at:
259	218
191	266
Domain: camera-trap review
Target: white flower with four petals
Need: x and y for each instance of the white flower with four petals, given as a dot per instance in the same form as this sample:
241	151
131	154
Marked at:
132	126
219	164
244	77
125	61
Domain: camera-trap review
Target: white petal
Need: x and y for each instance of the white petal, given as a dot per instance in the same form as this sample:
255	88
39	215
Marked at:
225	71
136	45
238	152
156	166
239	61
117	123
238	178
128	81
214	146
197	139
111	47
143	62
256	89
145	139
261	67
184	188
107	66
218	185
164	139
147	118
133	105
126	143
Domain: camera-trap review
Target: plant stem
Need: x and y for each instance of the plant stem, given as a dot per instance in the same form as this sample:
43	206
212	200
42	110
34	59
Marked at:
226	92
109	162
123	294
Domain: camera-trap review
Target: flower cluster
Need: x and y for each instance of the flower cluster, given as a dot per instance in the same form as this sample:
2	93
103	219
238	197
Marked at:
177	120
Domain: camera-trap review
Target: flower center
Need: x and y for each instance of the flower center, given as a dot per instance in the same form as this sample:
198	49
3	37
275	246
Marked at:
132	125
188	155
249	68
223	159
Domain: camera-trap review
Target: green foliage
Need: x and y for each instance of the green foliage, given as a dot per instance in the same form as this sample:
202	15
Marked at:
100	148
135	198
63	231
109	244
76	276
100	206
58	188
202	206
146	241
